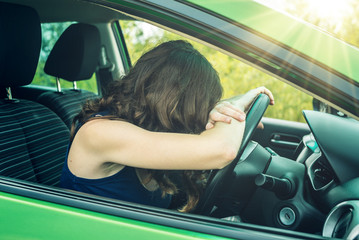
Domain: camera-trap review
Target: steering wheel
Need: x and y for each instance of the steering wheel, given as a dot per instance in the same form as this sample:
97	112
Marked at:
219	178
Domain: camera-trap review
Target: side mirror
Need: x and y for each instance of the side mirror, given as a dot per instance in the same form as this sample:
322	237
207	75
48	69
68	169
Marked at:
323	107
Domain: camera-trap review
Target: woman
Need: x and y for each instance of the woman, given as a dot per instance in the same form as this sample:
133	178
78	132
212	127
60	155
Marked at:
153	121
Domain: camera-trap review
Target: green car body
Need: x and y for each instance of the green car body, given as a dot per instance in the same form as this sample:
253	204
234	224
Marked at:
302	55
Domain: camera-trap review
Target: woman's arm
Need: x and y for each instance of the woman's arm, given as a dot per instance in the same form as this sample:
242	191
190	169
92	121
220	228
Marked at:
101	141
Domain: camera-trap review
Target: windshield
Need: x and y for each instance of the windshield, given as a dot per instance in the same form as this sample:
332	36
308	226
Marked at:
337	17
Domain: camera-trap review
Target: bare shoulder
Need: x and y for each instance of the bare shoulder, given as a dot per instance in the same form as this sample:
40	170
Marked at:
91	147
100	125
102	135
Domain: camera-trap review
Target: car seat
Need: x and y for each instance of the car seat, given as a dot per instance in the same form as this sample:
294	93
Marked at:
33	139
73	58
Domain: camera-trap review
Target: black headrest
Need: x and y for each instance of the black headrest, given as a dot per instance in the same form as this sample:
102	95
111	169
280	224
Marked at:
75	54
20	42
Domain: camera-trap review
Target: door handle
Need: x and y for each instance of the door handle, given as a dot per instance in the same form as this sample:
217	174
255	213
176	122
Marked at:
285	141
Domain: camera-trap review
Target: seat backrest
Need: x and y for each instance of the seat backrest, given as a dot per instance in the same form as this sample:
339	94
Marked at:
74	57
33	139
20	43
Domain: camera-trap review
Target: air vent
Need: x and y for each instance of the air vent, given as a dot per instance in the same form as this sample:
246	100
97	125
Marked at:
343	221
320	173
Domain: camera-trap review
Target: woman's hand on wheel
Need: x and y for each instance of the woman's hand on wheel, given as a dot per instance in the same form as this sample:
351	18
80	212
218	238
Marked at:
246	100
224	111
234	107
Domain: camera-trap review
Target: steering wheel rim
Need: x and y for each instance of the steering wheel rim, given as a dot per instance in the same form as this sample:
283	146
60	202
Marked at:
255	114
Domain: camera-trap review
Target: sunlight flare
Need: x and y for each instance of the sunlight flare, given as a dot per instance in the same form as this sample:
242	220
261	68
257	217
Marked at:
332	11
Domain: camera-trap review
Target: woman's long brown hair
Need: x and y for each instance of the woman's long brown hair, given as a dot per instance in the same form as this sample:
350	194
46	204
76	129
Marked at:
171	88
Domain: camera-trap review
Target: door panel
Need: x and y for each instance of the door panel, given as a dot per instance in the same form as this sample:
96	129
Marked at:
282	136
26	218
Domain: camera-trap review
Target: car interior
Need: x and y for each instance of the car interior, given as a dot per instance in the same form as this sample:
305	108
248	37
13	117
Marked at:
35	124
34	136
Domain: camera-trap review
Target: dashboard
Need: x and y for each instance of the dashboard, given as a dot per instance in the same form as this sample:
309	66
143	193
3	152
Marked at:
315	193
333	170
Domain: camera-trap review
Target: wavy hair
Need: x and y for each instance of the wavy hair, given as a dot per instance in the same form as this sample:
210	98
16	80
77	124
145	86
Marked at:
171	88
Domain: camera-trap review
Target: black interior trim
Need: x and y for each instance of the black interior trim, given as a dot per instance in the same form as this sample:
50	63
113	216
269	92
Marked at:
125	56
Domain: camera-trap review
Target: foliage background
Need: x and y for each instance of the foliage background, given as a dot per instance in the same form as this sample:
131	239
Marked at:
236	77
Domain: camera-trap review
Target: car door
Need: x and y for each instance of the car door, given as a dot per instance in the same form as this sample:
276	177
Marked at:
39	212
282	137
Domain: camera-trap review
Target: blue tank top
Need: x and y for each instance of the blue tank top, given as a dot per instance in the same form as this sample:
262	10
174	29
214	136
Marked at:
124	185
